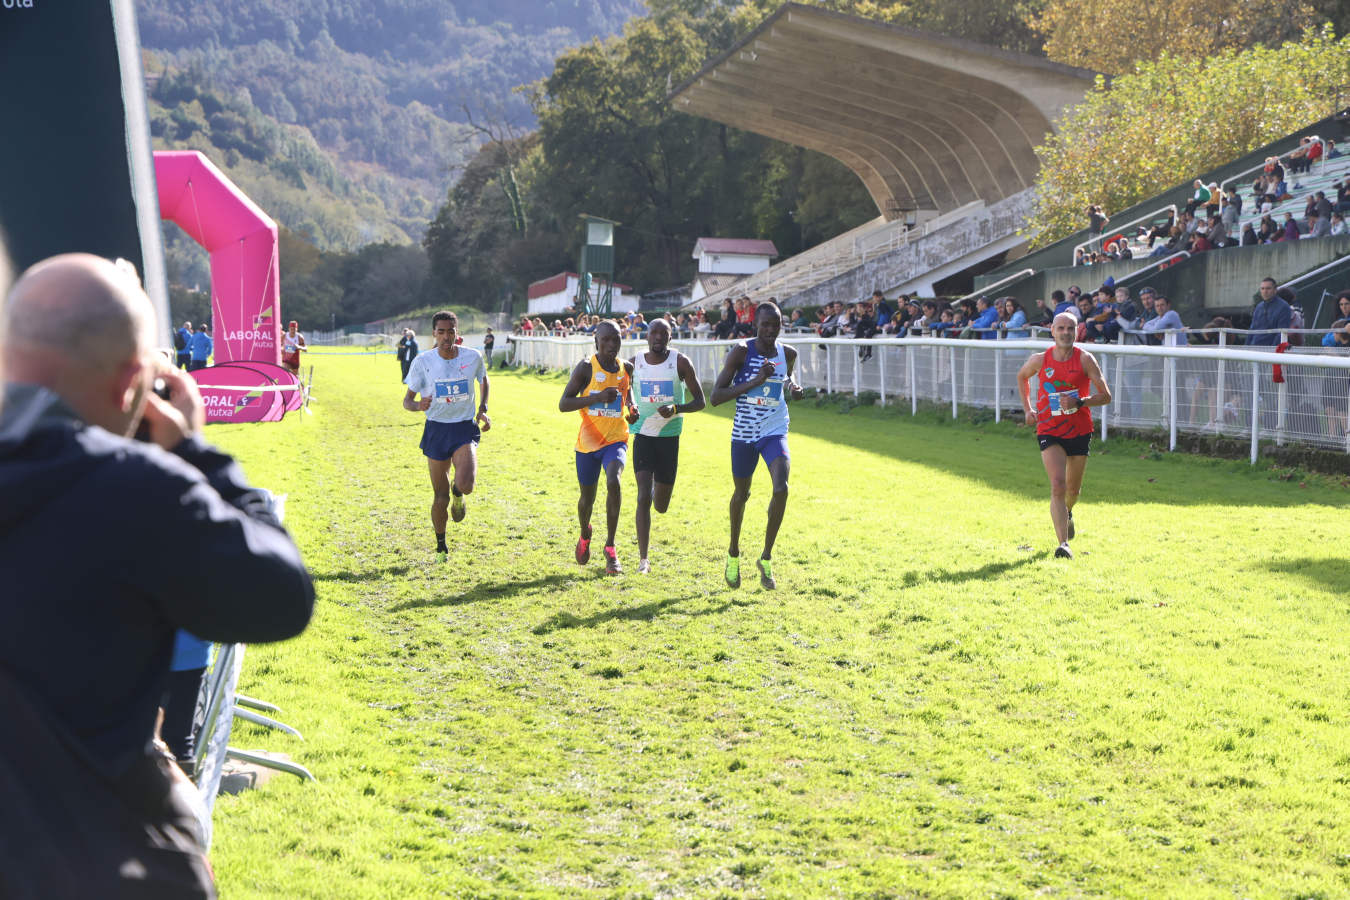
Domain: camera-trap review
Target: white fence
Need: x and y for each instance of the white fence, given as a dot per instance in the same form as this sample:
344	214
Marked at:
1196	390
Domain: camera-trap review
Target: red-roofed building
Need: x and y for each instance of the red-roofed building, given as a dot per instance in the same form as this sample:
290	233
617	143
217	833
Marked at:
722	261
559	292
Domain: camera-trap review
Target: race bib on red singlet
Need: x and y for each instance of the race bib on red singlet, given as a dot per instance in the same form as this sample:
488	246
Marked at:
1059	399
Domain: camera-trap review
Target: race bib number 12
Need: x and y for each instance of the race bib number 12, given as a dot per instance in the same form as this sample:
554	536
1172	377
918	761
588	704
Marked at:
453	391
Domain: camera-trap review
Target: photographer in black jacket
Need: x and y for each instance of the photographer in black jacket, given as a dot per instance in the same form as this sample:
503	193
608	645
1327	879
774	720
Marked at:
108	545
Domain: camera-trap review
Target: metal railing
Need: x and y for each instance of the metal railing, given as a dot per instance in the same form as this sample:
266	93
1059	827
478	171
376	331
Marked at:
1157	265
1223	185
1146	217
1016	276
1181	389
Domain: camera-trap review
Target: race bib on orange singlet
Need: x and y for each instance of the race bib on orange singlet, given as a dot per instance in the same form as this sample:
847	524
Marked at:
611	410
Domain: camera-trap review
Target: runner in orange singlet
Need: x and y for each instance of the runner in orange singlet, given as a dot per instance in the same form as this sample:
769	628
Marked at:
601	390
1063	421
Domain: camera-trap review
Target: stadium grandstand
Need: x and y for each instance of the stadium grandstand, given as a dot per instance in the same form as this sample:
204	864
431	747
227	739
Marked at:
949	162
1221	281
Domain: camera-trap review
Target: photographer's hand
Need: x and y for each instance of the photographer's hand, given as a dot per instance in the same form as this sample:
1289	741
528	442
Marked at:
179	417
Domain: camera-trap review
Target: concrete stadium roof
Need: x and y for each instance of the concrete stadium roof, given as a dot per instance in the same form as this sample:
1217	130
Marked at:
926	121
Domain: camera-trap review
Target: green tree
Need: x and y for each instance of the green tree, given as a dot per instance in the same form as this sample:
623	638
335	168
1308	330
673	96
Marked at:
1174	117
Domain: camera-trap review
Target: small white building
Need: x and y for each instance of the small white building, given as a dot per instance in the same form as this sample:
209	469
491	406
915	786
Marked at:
724	261
555	294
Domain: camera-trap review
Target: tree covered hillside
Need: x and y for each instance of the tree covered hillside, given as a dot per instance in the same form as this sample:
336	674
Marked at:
382	84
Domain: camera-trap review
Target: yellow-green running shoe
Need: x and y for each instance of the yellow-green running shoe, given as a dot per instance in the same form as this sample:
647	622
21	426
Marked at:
733	572
442	556
457	508
766	574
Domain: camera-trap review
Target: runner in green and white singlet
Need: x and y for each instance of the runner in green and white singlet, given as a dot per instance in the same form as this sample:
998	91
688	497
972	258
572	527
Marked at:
665	387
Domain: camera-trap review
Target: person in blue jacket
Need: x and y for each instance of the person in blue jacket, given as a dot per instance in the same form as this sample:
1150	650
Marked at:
1270	312
986	318
201	346
182	344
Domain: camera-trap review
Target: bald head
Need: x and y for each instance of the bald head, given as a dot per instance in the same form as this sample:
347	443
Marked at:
86	312
1065	318
82	327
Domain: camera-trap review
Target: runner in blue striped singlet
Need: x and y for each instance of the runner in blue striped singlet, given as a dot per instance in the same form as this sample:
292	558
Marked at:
758	376
665	387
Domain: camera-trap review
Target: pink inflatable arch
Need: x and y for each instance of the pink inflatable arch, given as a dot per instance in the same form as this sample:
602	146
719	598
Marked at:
242	241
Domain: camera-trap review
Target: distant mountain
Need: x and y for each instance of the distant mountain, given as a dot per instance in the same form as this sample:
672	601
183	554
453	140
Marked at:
381	85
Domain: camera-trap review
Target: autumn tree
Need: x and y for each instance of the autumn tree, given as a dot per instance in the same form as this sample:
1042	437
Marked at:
1175	117
1111	36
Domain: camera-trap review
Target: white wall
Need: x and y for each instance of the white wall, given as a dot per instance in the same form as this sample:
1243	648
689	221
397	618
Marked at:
731	264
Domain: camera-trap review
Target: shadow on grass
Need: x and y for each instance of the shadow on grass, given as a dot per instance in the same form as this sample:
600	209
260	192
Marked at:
983	573
358	577
644	613
488	590
1005	457
1331	572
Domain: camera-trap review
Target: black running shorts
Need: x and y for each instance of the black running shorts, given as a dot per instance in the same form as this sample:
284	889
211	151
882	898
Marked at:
1073	446
658	455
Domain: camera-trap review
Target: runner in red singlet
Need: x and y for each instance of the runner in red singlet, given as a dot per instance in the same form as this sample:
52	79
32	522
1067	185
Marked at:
1063	421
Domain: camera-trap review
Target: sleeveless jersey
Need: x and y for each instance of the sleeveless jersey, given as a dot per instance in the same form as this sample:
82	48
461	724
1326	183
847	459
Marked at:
761	412
1055	380
603	424
654	386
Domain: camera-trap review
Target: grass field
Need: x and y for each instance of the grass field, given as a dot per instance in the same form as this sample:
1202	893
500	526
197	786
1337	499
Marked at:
929	705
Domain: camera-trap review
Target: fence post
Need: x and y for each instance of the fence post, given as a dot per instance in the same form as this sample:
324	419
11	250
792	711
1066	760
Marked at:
881	365
1281	403
1105	409
998	386
913	388
953	382
1171	367
1256	405
829	369
857	364
965	371
1217	418
1120	365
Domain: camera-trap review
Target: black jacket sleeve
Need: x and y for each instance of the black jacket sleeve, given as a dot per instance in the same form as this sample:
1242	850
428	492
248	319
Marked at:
220	564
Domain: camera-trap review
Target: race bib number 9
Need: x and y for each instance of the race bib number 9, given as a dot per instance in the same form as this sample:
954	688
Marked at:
770	393
453	391
611	410
658	392
1058	400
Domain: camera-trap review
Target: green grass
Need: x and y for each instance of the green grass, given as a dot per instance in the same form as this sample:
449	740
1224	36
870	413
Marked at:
929	705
